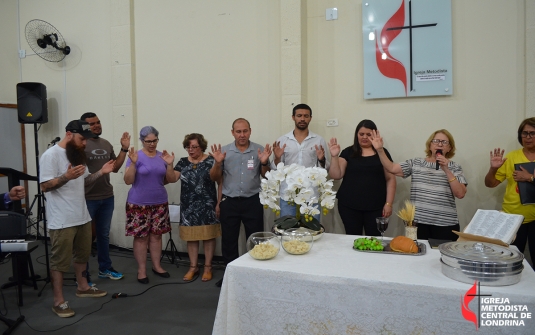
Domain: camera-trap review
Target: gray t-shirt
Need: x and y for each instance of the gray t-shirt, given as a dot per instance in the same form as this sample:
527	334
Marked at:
98	152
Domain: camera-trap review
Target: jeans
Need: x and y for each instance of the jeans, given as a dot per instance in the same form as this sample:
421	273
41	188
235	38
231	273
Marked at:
101	212
290	210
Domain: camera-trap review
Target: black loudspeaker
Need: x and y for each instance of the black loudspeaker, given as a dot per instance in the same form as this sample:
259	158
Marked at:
31	103
12	226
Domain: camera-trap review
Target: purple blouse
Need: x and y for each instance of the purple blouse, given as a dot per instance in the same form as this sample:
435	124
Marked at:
148	188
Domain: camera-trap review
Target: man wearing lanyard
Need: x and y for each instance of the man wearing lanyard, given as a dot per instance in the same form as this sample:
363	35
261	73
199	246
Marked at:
300	146
241	165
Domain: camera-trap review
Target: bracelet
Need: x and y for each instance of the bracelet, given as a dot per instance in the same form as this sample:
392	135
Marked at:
387	203
265	164
452	179
124	150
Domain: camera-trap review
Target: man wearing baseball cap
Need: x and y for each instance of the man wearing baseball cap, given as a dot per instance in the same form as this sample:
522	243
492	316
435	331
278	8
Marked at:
63	176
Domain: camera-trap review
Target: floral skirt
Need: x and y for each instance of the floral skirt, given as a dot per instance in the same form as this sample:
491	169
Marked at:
148	219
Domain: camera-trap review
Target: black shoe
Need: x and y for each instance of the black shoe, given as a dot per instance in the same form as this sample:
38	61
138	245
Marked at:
219	283
161	274
143	280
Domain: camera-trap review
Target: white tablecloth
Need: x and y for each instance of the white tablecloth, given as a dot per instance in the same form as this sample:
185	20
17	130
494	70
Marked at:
334	289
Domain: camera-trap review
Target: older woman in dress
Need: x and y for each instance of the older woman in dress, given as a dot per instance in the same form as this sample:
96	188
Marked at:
504	169
147	210
367	190
433	190
198	202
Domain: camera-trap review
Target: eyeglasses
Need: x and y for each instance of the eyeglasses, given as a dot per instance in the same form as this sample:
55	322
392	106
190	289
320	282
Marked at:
443	142
151	142
192	147
529	134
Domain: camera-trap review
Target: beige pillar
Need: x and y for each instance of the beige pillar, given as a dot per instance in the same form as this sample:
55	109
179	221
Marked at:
293	57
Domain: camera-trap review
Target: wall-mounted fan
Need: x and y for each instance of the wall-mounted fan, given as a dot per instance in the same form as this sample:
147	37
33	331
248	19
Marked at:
46	41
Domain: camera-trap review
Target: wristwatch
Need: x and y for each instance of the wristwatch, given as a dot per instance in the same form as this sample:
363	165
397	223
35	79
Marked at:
124	150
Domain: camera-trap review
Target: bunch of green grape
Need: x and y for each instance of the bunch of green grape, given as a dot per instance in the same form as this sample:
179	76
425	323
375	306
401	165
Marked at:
368	243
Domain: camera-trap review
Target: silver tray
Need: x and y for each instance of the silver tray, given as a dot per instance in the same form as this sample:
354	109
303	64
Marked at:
490	264
422	249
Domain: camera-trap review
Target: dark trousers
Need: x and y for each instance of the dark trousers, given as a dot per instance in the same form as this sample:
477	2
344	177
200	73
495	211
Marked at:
427	231
526	233
354	220
234	211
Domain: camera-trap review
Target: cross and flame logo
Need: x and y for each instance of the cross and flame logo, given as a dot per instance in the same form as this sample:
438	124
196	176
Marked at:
388	65
468	314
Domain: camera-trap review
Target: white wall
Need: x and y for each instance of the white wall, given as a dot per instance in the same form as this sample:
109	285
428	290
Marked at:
483	113
198	65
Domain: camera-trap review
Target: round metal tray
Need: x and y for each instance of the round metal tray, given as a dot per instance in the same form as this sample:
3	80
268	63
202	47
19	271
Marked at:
490	264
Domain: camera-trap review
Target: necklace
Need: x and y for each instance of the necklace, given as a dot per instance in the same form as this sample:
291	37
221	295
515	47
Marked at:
197	162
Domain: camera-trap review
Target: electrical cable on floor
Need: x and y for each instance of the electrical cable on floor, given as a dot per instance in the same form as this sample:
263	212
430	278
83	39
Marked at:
113	297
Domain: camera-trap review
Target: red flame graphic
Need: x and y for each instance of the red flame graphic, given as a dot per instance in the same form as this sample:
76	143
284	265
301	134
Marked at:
467	312
391	67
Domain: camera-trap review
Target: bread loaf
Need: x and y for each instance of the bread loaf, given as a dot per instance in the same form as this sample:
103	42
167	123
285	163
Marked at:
403	244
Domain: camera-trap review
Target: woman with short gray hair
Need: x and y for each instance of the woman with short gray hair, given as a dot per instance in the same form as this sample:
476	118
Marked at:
147	209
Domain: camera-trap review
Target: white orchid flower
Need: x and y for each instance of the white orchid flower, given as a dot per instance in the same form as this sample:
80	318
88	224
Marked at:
303	196
302	184
328	202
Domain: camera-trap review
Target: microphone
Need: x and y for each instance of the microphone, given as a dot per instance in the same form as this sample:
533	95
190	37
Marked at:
54	141
439	151
119	295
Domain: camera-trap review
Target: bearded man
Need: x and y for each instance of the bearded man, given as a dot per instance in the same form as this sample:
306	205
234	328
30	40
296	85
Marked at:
302	147
63	177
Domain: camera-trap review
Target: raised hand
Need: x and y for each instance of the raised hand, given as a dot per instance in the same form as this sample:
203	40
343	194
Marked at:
320	152
168	158
376	139
125	140
334	147
74	172
217	154
17	193
278	150
132	154
108	167
496	158
263	156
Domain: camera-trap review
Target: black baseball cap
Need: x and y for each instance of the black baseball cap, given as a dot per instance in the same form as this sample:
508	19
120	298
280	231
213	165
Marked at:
80	127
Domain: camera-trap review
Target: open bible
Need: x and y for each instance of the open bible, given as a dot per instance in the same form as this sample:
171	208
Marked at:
492	226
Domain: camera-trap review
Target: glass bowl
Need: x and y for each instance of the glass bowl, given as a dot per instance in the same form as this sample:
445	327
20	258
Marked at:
263	245
297	241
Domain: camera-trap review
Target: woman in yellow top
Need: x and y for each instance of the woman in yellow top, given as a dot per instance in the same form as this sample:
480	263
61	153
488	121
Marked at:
504	168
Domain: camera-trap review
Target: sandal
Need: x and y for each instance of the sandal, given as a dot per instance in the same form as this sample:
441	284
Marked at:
207	274
193	270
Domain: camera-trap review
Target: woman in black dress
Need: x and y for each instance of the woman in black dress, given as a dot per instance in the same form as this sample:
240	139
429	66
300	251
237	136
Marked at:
367	189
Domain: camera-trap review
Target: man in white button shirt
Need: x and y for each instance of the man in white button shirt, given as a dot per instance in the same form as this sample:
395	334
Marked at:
300	146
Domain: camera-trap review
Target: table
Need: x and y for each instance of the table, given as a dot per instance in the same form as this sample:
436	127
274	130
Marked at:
334	289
